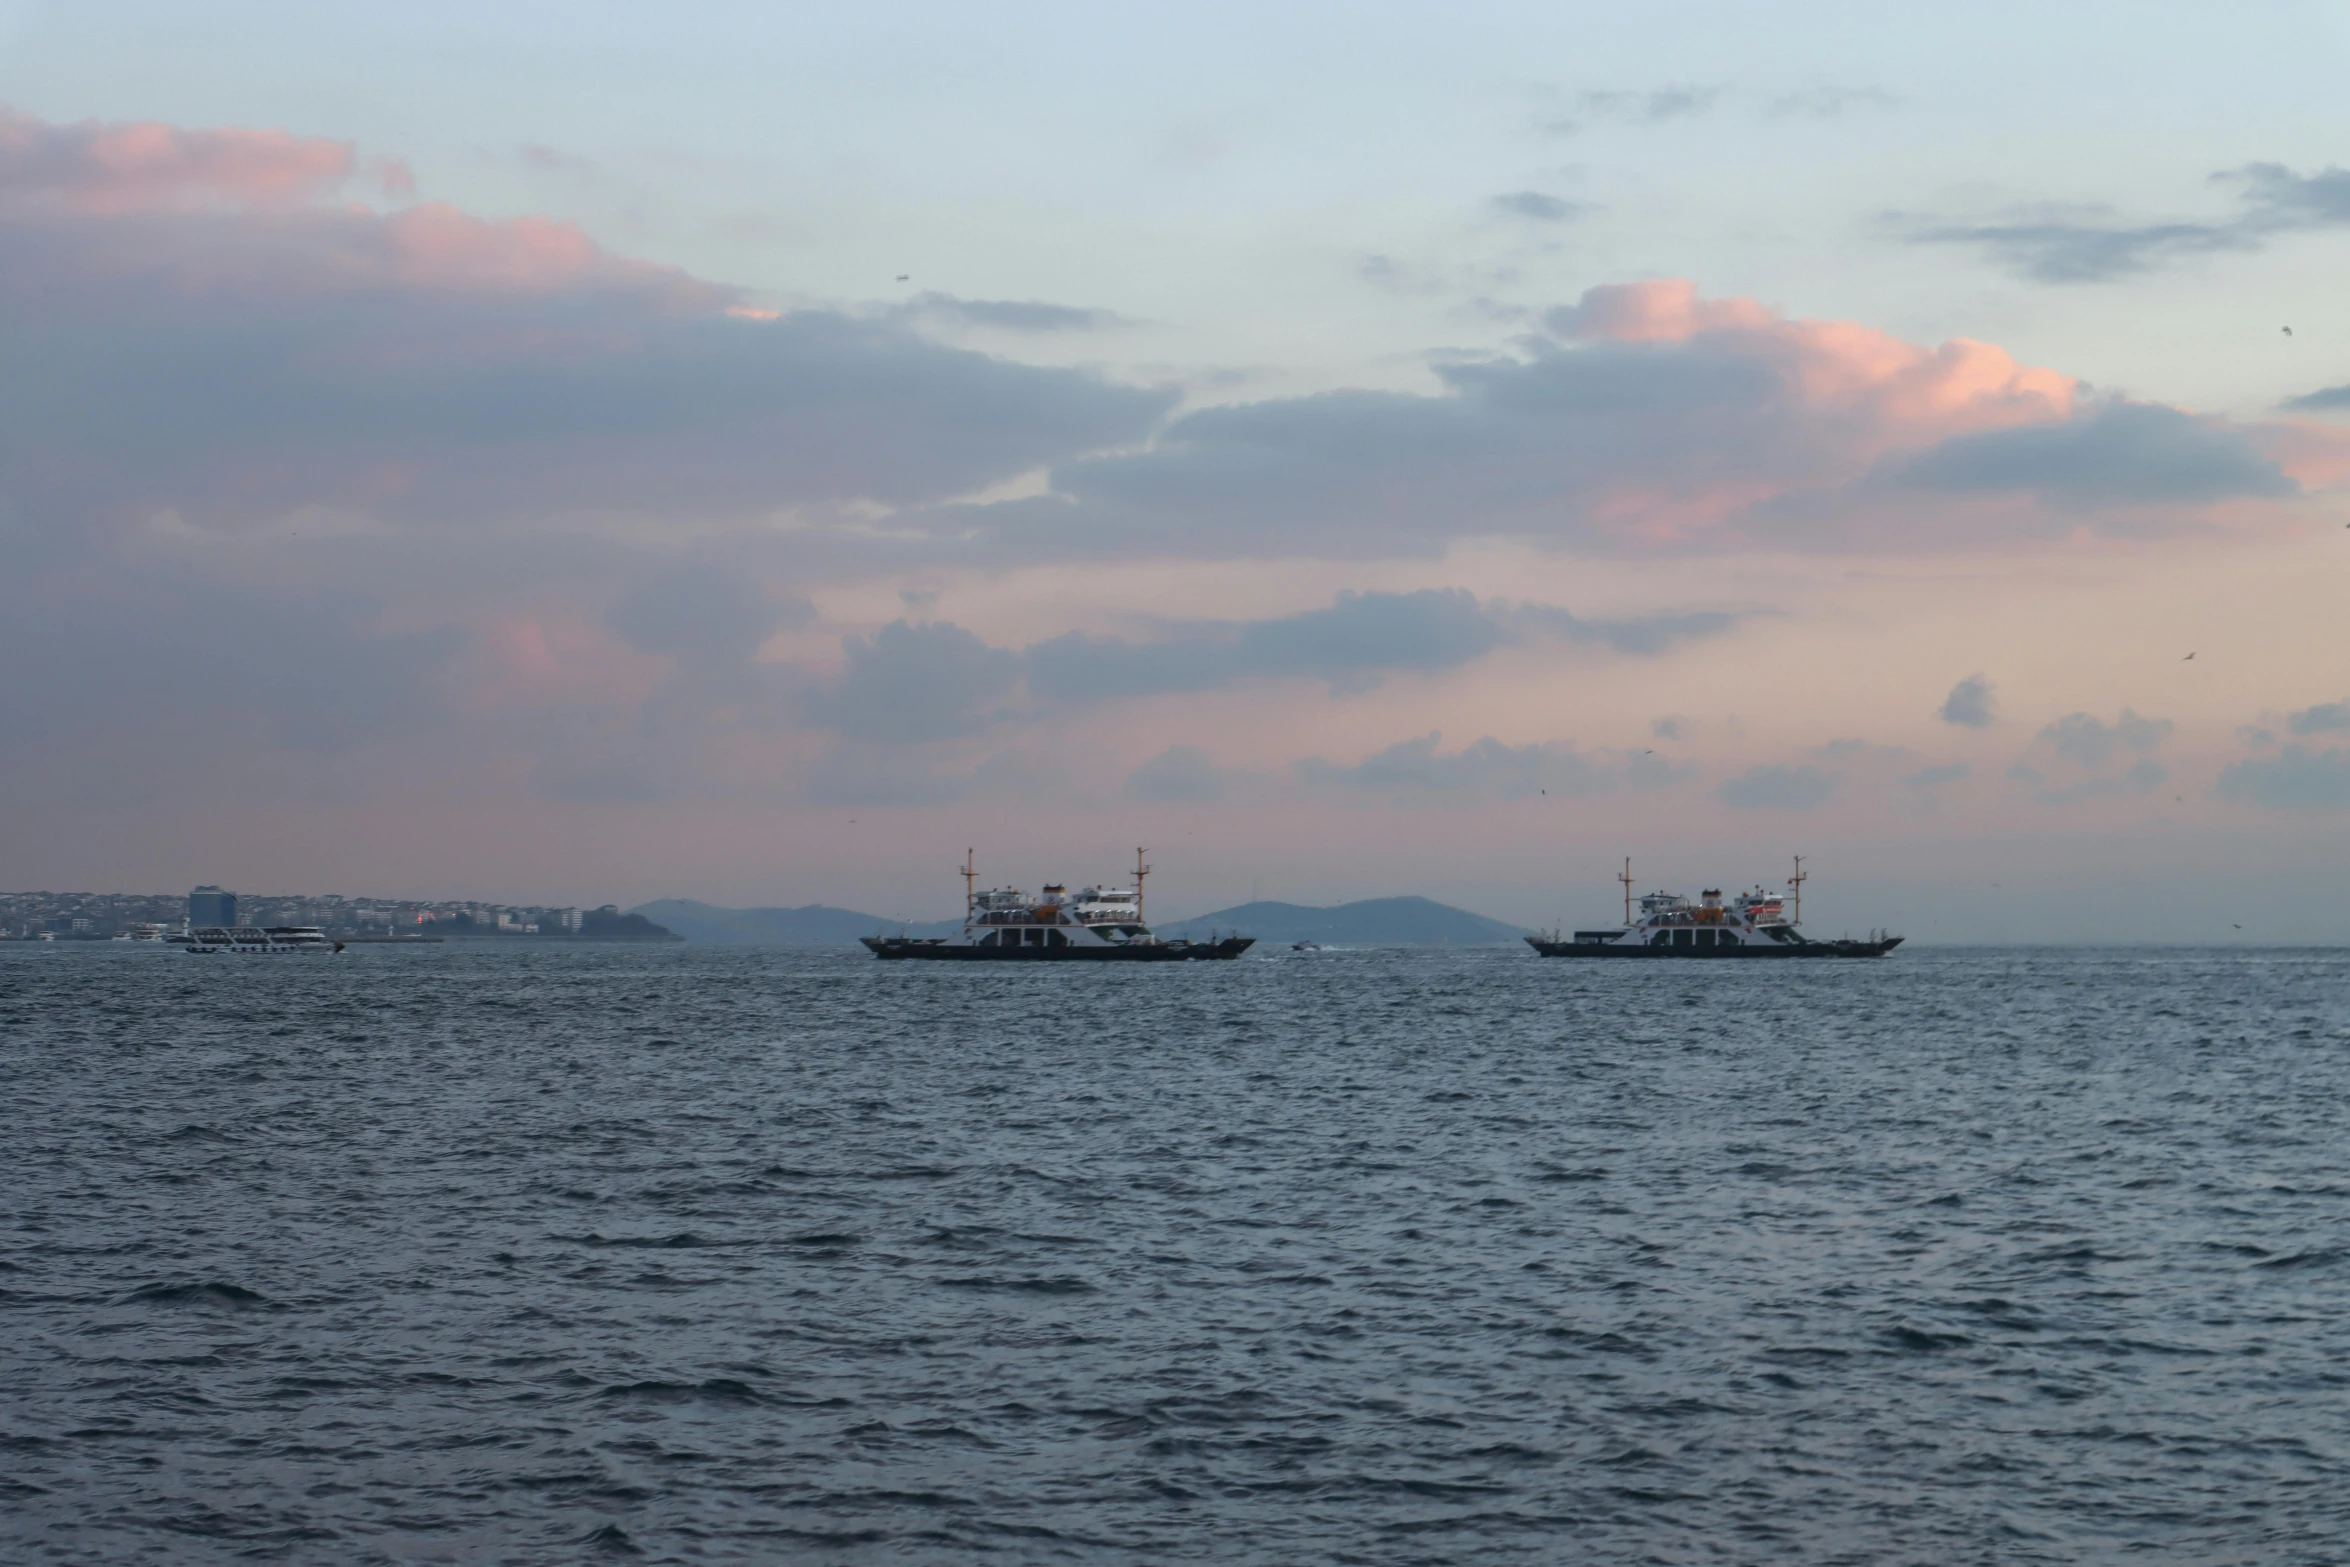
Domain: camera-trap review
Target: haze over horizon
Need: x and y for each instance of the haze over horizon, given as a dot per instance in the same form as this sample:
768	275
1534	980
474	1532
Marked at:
1354	452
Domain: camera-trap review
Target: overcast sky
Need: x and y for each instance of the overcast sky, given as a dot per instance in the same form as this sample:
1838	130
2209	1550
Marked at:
584	453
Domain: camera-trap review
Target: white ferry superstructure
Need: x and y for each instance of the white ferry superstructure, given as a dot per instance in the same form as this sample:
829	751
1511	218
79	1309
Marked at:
1093	924
1756	924
253	940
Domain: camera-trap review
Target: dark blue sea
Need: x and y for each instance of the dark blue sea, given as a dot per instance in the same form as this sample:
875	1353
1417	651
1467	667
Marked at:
464	1254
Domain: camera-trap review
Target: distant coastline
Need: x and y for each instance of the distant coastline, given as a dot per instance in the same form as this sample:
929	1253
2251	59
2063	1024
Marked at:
114	916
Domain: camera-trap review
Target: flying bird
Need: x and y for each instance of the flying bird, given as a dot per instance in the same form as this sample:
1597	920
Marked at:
2288	331
905	277
2183	660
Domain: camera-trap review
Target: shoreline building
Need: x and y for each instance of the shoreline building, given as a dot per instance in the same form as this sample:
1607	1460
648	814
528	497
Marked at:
211	906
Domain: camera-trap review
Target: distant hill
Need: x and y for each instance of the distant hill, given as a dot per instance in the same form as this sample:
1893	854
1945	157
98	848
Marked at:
813	925
604	925
1372	922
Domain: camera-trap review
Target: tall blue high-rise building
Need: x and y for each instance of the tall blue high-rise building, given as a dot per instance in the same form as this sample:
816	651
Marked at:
211	906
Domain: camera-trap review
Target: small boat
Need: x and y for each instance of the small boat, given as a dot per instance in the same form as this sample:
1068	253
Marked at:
255	940
1757	924
1305	946
1095	924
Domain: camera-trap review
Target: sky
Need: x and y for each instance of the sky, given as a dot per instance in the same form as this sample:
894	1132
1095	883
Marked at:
585	454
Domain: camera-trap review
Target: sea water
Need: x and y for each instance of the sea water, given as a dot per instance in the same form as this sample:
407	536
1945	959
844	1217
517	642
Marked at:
487	1254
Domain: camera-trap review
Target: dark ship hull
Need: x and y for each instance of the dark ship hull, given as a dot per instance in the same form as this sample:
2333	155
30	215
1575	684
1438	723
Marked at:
941	950
1807	949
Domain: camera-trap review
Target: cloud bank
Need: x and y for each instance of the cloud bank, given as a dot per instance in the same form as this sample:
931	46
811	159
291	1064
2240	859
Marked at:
923	681
2297	778
2098	760
1647	419
447	487
2059	247
198	327
207	325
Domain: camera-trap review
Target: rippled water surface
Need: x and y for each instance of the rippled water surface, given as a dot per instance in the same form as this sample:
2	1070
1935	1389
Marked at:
725	1255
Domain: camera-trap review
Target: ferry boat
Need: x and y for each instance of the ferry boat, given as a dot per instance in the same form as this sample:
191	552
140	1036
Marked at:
1094	924
253	939
1756	924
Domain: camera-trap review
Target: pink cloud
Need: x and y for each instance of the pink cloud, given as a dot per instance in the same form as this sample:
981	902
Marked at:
438	246
393	175
1662	310
263	211
210	326
526	658
1909	391
94	166
2318	455
1656	419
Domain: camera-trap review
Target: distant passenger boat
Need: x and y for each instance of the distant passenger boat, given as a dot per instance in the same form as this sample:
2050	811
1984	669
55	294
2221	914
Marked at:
1094	925
252	939
1755	924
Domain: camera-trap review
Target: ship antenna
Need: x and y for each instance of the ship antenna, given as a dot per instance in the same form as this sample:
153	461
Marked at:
970	886
1626	879
1795	888
1140	871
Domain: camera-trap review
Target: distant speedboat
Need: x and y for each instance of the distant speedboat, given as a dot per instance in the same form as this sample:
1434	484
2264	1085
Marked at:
254	940
1757	924
1095	924
1305	946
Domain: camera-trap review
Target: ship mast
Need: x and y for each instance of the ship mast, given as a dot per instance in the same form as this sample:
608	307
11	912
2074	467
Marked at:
1795	891
1626	879
970	886
1140	871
